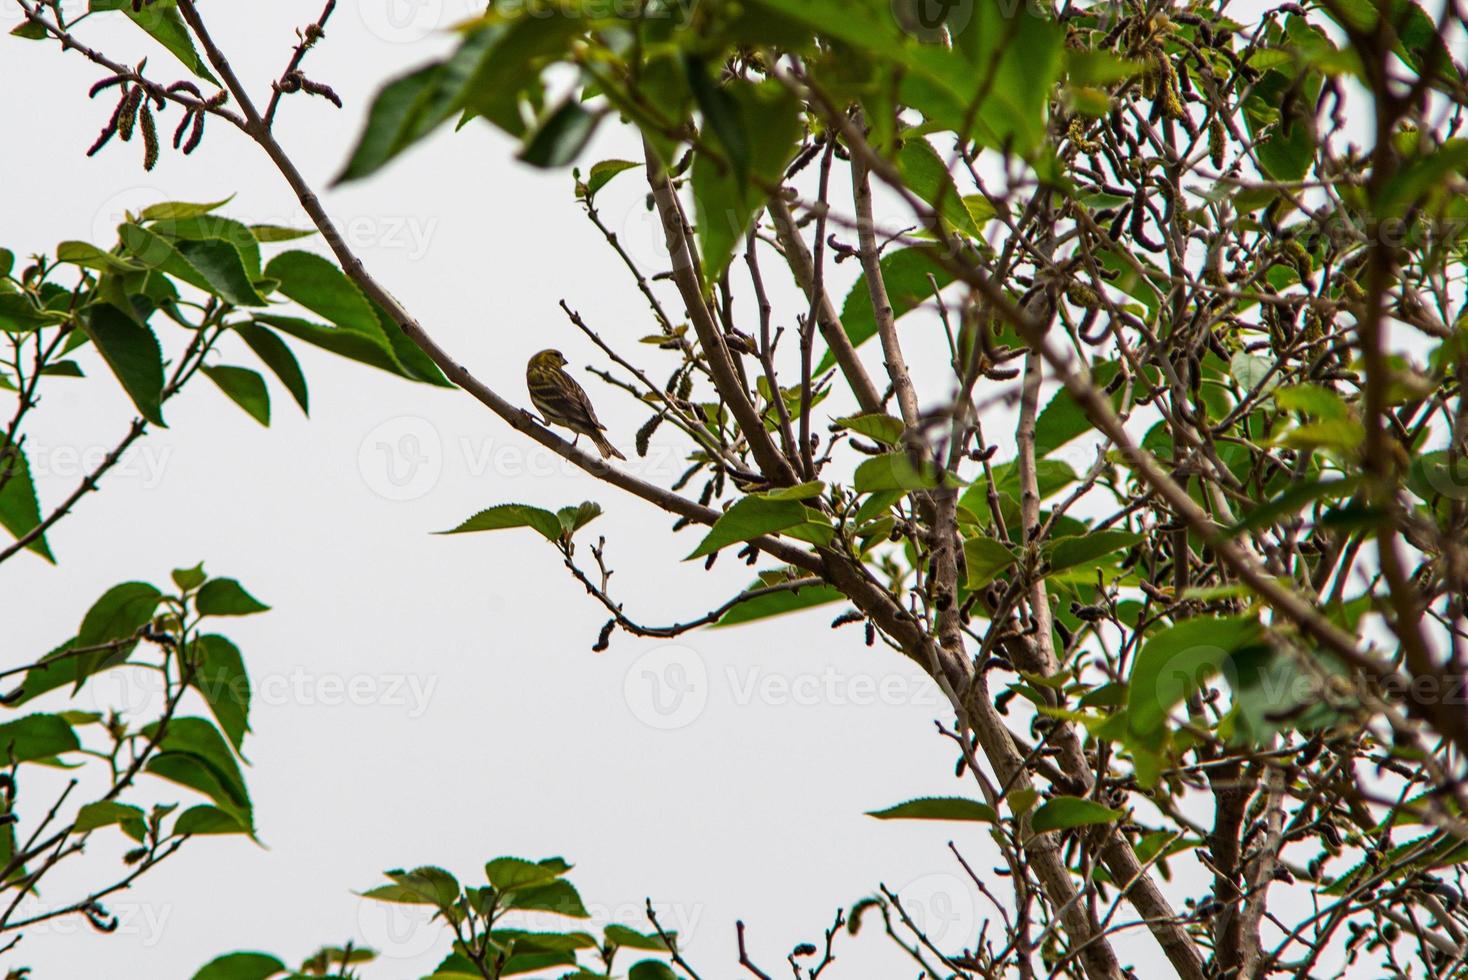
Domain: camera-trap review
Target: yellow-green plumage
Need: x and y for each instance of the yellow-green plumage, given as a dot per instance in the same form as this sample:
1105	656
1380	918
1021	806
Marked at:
561	401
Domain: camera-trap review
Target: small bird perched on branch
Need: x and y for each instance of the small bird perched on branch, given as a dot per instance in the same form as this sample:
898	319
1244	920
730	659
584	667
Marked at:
557	396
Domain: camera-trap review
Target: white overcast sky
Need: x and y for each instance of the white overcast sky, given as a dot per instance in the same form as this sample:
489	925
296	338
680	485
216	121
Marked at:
434	700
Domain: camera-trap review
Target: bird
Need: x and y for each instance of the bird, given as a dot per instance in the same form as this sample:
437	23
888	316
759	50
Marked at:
557	396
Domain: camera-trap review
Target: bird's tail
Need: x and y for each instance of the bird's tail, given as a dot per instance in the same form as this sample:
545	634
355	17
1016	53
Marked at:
605	448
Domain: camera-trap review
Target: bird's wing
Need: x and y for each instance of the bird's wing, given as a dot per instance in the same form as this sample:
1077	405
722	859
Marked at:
584	400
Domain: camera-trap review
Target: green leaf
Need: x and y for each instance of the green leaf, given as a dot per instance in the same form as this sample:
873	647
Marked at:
1063	812
1112	695
1416	32
896	471
1175	662
92	257
800	491
1435	474
161	19
1273	693
226	597
119	613
573	519
749	518
510	873
421	886
1313	399
19	314
626	938
213	228
878	427
277	233
985	558
409	107
174	210
244	387
1344	436
318	285
1249	370
1296	496
35	737
275	355
721	113
1284	147
938	808
415	364
905	272
30	30
927	176
363	348
1020	800
603	171
241	966
194	754
995	81
215	265
205	819
222	268
189	578
557	897
651	970
778	603
403	112
1062	419
220	677
522	963
20	511
560	137
505	60
524	941
503	516
1086	67
104	813
1084	549
867	26
133	354
724	199
64	369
